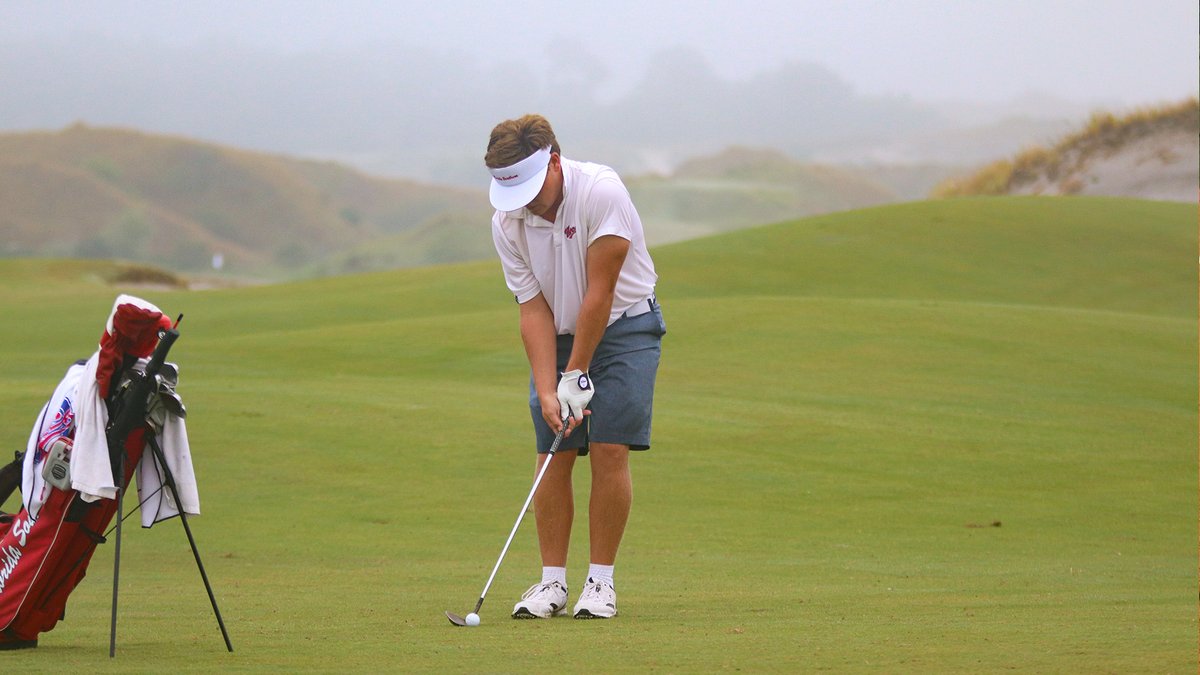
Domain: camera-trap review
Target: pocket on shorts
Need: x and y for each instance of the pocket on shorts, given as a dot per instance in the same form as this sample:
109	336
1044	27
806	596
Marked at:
662	322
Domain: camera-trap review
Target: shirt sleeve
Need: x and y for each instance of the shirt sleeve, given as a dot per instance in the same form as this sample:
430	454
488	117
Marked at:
609	209
517	273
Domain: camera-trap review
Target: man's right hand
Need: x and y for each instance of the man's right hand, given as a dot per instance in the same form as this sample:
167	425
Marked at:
555	416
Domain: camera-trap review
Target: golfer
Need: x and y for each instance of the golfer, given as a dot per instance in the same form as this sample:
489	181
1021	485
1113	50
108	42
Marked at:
574	255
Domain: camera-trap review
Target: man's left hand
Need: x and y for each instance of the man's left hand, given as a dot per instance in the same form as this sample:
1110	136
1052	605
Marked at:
574	393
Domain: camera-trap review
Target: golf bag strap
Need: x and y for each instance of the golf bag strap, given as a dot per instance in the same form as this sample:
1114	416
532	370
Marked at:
10	476
78	509
96	537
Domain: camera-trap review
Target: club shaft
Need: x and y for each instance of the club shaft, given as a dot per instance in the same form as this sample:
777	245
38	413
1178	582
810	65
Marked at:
521	514
520	517
112	629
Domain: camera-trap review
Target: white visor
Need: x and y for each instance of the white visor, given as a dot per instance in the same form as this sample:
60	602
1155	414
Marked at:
515	186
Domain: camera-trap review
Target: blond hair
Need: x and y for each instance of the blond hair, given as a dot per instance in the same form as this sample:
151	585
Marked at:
514	140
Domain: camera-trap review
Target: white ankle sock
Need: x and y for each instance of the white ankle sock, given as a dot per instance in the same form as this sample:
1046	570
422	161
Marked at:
558	574
601	573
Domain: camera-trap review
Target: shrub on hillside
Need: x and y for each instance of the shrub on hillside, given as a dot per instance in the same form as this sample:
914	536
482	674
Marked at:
145	275
1103	133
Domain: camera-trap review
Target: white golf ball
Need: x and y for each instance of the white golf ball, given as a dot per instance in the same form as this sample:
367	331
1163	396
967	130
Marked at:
472	619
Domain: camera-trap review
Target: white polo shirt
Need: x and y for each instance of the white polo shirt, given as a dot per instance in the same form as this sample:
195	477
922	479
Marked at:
551	258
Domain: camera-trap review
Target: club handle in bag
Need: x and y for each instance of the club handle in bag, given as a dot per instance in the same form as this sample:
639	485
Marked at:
165	340
132	411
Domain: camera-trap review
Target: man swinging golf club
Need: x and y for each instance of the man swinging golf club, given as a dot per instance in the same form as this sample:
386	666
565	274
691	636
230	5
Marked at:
574	255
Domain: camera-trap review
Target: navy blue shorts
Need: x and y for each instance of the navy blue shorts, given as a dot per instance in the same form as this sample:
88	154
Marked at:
623	371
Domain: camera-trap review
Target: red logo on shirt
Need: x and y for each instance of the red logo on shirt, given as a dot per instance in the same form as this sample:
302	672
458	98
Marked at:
570	232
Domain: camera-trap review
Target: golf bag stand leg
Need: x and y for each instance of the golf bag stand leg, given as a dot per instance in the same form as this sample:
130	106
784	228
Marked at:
170	481
112	631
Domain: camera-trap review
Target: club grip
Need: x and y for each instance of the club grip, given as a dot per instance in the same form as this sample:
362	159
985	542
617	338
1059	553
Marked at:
165	340
131	411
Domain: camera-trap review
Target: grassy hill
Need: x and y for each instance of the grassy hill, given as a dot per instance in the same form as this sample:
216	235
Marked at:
112	193
730	190
741	187
450	237
946	436
102	193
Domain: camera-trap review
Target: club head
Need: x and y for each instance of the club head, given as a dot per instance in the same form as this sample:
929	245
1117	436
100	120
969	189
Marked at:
169	373
173	404
456	619
156	413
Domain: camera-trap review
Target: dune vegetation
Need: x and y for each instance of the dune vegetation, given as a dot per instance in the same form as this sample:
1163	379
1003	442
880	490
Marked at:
1056	169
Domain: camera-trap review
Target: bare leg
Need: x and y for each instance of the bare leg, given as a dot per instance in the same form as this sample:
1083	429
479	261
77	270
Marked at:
612	495
554	508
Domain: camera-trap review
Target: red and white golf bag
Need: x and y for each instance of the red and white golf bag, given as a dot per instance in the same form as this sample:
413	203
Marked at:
74	469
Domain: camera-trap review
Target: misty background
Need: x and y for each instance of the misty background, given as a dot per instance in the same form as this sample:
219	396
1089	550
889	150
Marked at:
411	90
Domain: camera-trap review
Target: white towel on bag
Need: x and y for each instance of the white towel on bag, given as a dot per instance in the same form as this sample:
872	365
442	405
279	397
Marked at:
76	410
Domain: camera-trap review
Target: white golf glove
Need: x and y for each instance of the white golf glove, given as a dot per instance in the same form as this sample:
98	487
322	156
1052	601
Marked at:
574	393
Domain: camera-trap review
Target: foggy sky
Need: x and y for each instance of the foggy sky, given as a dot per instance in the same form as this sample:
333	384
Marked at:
411	88
1123	51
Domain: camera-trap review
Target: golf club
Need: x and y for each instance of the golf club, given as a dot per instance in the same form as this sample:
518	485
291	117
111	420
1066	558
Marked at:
460	621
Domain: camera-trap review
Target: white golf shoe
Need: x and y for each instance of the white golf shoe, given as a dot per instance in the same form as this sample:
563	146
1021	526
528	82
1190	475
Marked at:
541	601
598	601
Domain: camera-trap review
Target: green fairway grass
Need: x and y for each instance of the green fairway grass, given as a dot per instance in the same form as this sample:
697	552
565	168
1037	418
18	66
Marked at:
953	436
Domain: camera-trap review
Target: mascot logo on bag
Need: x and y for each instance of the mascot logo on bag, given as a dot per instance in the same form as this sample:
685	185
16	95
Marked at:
63	425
